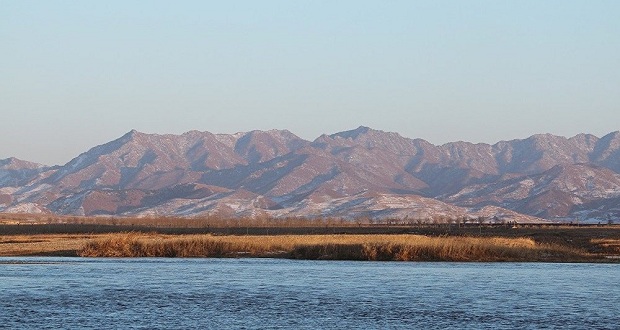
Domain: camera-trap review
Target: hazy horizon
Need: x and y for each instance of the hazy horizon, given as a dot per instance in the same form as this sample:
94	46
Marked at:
75	75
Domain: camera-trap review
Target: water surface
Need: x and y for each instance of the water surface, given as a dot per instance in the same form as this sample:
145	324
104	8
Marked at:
155	293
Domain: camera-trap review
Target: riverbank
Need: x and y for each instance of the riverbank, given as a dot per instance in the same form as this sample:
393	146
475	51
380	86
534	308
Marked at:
542	246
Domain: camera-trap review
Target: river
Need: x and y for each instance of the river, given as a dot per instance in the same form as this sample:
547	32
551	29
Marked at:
154	293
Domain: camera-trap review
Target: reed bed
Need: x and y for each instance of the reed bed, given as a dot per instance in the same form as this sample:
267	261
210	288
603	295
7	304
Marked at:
609	245
331	247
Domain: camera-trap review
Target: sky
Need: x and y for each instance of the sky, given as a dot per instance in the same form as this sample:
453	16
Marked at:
76	74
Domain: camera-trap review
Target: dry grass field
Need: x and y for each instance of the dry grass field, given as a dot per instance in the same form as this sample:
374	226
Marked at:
25	235
332	247
404	247
43	244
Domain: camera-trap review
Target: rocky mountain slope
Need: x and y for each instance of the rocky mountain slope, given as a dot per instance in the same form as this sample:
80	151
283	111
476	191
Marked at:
362	173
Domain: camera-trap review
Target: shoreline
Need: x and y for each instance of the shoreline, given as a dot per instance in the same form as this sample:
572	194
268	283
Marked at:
534	245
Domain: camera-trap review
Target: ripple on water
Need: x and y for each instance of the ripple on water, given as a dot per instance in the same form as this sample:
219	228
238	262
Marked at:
275	293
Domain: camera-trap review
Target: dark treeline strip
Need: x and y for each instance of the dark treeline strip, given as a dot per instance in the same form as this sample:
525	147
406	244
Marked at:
55	228
172	228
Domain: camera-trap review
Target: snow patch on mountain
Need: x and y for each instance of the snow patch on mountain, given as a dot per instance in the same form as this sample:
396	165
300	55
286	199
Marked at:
363	173
30	208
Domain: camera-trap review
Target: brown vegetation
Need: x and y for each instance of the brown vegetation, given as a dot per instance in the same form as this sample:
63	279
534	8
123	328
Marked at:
332	247
41	245
308	239
176	222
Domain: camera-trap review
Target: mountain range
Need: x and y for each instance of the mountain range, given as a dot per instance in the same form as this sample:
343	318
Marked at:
361	173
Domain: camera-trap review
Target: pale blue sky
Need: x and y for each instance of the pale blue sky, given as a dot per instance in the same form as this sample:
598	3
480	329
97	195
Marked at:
74	74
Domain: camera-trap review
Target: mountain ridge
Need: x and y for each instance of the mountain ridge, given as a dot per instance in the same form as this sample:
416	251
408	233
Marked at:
286	175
